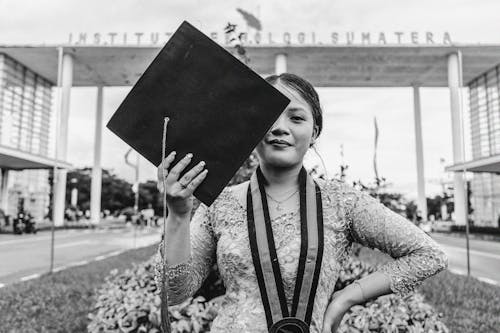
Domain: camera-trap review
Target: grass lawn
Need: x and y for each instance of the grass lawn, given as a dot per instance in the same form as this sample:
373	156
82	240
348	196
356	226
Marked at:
467	304
60	302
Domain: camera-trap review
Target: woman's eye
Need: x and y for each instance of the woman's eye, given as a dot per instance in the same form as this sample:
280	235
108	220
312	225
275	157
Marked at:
297	118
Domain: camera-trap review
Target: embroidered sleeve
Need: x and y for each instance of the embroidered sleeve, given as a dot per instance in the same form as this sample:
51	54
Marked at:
187	277
417	256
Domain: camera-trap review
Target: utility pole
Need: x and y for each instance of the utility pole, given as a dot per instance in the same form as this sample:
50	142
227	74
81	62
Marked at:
135	188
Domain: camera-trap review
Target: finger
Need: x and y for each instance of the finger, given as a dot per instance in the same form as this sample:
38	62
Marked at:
328	320
169	159
189	176
191	187
165	164
174	173
327	327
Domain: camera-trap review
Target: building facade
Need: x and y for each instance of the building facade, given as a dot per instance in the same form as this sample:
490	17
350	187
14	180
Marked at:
25	117
484	104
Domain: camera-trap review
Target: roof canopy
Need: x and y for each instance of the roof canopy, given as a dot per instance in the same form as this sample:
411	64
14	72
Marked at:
14	159
324	66
490	164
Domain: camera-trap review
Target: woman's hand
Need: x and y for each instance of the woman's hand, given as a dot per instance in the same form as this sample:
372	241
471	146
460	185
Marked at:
341	302
179	192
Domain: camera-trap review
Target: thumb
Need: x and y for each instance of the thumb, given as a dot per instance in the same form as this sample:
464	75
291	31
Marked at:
329	318
327	324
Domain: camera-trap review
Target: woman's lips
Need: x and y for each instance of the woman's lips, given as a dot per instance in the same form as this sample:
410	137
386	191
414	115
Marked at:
279	144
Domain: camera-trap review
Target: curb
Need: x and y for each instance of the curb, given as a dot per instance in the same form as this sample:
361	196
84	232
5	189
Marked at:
480	278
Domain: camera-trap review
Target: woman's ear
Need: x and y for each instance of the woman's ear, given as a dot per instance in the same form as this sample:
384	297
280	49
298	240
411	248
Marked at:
314	135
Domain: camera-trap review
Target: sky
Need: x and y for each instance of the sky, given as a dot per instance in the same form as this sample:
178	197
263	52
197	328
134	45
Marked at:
348	112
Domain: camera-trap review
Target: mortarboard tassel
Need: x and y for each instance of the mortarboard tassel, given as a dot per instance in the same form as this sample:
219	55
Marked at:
165	320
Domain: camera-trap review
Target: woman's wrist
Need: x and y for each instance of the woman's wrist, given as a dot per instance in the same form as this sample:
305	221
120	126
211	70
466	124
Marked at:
174	221
351	295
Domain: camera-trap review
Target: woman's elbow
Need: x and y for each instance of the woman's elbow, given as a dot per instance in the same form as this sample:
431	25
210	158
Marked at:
441	259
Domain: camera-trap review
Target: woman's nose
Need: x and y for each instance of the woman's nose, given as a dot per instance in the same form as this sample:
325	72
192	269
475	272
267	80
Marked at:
279	126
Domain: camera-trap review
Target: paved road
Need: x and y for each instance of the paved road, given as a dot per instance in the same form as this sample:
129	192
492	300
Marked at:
484	257
26	256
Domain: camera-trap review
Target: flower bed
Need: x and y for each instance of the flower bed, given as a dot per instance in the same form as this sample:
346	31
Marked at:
130	302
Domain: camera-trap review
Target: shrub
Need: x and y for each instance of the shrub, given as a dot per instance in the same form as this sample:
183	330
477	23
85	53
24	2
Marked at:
130	302
391	313
354	270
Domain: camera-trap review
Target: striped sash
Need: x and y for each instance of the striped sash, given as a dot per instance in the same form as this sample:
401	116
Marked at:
265	258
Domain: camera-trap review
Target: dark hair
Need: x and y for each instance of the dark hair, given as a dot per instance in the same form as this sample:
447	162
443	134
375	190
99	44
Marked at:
306	90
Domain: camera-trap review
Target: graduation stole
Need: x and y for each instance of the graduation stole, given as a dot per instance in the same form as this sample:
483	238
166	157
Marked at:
265	259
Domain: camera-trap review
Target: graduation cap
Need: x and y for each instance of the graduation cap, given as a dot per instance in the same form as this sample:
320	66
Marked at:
219	109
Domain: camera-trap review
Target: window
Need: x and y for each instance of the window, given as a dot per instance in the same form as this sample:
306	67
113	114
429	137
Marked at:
25	100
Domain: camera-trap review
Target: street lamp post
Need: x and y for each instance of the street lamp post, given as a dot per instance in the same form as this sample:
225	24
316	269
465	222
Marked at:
135	188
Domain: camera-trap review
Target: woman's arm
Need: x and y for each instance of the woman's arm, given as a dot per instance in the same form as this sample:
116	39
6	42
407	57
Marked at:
190	254
178	240
417	256
371	286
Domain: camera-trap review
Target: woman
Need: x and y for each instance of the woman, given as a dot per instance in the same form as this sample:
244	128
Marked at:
226	232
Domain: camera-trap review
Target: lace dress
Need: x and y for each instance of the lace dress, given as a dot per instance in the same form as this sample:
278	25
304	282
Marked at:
220	233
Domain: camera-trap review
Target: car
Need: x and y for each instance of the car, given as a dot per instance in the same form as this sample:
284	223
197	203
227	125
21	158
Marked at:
426	226
442	225
128	215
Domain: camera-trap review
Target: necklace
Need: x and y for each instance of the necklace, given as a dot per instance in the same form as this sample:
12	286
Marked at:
278	206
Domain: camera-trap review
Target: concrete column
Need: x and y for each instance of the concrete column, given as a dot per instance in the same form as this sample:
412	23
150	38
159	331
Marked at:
422	202
455	84
62	139
95	194
280	64
4	191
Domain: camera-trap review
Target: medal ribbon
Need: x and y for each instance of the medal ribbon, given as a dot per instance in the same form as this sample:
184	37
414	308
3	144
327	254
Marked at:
264	254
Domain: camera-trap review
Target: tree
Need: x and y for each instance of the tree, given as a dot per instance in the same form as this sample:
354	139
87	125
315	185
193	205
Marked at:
434	206
83	180
450	204
50	180
116	193
411	210
470	210
149	194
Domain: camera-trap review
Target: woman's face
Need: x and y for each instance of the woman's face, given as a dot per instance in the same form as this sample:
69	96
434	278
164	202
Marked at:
288	140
